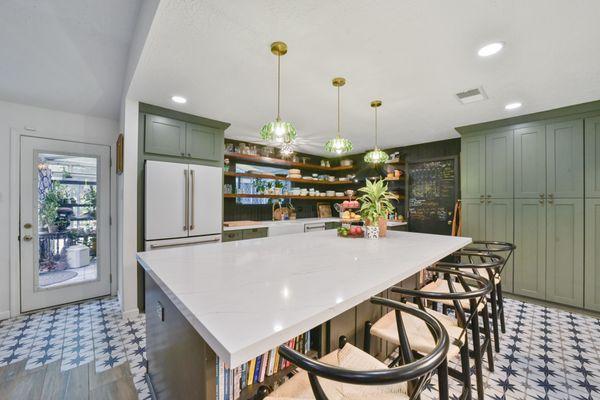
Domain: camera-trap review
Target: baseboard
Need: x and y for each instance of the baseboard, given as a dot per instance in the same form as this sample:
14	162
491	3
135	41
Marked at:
4	315
131	313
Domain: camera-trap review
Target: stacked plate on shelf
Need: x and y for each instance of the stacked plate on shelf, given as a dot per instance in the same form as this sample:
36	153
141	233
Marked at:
294	173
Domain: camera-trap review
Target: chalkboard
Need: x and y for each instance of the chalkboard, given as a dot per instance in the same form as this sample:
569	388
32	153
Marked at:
432	193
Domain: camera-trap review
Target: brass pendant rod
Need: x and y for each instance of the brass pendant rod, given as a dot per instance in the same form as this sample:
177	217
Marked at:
278	85
376	127
338	111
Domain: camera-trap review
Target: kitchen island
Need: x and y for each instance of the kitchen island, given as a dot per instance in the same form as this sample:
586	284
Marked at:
238	300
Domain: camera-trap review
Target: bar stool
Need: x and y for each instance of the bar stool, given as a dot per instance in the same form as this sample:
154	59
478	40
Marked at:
505	249
472	295
488	264
343	370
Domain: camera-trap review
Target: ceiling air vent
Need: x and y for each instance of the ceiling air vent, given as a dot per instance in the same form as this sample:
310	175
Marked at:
471	96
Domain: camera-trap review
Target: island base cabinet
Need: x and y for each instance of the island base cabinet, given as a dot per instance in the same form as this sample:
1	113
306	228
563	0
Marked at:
564	259
530	255
176	353
592	254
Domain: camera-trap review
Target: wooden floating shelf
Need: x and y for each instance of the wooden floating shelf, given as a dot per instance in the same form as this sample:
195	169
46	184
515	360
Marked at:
280	178
284	196
287	163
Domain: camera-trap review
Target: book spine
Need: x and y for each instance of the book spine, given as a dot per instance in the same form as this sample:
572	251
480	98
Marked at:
263	367
222	381
251	368
271	362
236	383
244	376
217	378
257	369
276	363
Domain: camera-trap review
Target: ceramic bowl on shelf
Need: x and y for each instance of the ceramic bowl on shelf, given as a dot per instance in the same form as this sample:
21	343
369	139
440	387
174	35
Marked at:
294	171
330	193
346	162
339	194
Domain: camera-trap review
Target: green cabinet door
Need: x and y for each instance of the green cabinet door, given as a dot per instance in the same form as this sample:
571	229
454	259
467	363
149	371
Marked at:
499	216
592	157
499	165
530	255
473	218
564	147
564	255
472	172
530	162
592	254
164	136
203	142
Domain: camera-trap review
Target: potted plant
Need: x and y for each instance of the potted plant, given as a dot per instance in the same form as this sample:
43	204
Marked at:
375	205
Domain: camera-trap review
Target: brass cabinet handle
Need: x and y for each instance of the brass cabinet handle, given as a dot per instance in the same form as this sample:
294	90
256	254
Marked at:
27	238
193	218
542	195
550	195
489	195
187	200
541	201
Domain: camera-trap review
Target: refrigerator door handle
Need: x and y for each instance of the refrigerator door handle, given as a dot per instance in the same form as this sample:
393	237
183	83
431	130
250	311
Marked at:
187	200
193	200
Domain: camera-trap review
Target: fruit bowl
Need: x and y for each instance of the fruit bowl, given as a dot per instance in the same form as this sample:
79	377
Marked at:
353	231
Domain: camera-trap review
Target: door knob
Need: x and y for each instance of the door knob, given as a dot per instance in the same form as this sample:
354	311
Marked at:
27	238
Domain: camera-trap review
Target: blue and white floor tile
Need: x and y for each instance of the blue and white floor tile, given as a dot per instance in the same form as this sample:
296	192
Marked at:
89	332
545	354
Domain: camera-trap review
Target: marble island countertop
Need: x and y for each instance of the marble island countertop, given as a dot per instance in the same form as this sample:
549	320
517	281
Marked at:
247	297
267	224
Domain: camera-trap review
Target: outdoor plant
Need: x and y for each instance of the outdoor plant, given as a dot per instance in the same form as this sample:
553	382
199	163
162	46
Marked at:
55	197
375	201
89	197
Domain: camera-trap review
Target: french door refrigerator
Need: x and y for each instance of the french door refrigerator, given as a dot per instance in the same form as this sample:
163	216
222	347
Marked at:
183	204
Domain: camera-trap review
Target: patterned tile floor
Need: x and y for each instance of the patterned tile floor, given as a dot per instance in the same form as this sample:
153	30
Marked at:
77	334
546	353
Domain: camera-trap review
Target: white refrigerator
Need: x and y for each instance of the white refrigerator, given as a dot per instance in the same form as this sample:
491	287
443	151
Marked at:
183	204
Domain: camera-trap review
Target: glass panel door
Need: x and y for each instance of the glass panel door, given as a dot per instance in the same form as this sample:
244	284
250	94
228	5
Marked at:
65	226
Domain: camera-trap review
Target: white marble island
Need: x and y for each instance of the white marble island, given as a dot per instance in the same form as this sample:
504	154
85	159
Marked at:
245	298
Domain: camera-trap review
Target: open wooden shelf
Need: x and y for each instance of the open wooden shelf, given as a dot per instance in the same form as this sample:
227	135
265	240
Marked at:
285	196
286	163
281	178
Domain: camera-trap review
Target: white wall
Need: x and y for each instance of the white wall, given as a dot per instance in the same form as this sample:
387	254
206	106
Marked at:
39	121
127	210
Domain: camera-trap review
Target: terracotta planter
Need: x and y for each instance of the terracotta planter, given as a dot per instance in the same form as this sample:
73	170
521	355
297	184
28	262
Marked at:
382	226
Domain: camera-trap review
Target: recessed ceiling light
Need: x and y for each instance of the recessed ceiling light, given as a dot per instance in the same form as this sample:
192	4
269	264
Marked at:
512	106
490	49
179	99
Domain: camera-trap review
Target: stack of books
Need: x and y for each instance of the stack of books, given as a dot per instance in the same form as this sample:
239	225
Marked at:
231	382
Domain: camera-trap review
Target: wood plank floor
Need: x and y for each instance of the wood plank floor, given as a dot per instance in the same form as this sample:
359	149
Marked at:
49	383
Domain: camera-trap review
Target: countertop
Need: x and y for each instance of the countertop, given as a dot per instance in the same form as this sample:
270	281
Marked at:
266	224
247	297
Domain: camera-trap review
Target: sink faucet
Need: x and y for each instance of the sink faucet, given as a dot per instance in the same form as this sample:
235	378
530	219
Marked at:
275	202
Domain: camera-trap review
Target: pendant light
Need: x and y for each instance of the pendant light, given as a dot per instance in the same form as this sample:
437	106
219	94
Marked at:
338	145
278	131
376	156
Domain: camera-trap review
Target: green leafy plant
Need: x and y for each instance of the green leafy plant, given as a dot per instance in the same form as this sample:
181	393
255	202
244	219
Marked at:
375	201
89	197
55	197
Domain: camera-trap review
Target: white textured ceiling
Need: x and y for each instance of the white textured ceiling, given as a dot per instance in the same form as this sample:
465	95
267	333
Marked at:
414	55
68	55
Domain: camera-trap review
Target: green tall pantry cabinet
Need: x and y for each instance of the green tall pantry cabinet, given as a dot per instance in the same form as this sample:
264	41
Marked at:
548	206
487	190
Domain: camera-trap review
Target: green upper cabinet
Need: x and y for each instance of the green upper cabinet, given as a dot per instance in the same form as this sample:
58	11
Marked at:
472	172
499	165
203	142
473	217
499	215
530	162
564	148
592	254
164	136
592	157
564	258
530	255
